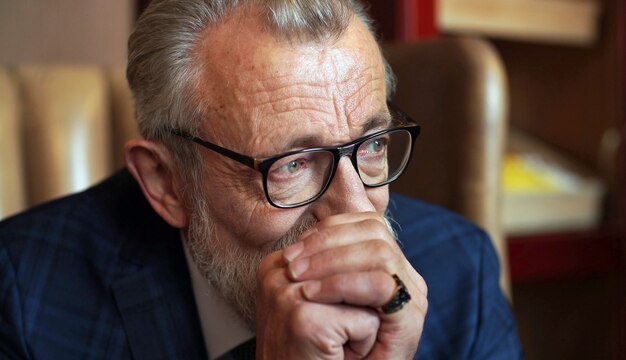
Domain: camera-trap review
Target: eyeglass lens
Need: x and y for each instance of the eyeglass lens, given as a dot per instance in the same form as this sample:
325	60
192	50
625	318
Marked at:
299	177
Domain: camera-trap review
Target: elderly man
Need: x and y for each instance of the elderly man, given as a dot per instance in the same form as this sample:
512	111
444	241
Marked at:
255	220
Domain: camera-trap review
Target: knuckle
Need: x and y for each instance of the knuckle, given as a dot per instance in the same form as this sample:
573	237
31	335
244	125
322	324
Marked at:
335	284
269	282
277	293
323	223
381	281
283	292
302	321
375	227
379	246
373	215
378	287
372	321
317	240
307	324
385	254
321	238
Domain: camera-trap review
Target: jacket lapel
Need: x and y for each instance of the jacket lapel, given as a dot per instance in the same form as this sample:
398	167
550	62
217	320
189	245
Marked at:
159	315
153	293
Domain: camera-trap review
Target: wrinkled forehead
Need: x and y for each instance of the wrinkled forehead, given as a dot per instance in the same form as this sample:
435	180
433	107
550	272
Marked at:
257	84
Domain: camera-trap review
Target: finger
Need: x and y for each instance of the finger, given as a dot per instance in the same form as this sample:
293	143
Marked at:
324	238
359	257
361	340
373	289
334	328
349	218
272	277
271	261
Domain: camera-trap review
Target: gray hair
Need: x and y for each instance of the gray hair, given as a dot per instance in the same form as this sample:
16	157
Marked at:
162	68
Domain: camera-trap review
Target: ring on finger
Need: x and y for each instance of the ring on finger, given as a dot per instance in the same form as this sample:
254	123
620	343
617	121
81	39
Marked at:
400	298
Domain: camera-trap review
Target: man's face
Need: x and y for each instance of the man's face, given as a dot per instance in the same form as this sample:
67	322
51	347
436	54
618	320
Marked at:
266	97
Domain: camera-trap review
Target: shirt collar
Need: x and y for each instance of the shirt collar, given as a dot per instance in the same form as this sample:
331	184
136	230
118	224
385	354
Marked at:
221	328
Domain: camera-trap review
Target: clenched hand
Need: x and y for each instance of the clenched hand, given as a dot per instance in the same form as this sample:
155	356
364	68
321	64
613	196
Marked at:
317	299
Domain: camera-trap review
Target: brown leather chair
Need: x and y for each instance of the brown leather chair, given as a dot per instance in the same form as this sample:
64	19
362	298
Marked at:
12	196
66	128
122	113
457	90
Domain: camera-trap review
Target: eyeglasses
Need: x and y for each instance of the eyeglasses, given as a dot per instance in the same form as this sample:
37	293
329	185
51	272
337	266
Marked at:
297	178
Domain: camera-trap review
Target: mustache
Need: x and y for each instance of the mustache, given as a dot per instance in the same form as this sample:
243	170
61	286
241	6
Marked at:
292	236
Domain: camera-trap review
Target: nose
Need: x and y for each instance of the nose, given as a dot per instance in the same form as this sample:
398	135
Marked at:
345	194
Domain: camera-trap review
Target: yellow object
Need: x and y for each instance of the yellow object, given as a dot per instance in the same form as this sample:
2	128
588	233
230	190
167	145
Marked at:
524	175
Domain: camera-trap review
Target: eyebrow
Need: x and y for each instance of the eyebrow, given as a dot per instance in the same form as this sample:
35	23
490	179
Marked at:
381	121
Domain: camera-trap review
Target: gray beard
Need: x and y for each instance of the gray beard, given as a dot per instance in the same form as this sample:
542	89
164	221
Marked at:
231	268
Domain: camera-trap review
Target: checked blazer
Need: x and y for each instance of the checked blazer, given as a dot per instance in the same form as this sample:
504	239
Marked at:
99	275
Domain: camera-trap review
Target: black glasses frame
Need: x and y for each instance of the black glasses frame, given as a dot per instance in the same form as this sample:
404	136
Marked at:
264	164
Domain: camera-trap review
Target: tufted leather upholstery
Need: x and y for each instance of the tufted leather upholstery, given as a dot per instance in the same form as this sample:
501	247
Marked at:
60	128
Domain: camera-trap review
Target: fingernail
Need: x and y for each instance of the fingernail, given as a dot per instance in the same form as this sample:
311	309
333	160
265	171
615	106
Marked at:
292	251
298	267
311	288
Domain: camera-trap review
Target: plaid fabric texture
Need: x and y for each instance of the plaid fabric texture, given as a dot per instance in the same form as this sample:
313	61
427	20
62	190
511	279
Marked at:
468	316
99	275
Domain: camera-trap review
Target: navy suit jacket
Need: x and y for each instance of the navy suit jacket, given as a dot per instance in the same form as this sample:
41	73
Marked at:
99	275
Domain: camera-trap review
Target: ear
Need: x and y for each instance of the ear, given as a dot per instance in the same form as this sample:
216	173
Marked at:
152	166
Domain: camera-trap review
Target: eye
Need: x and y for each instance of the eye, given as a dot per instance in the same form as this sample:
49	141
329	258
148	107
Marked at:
289	168
375	146
293	166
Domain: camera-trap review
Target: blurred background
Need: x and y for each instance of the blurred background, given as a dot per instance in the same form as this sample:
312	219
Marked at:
560	203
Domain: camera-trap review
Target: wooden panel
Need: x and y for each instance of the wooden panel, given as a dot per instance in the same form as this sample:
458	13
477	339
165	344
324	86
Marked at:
556	21
569	320
565	96
62	31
